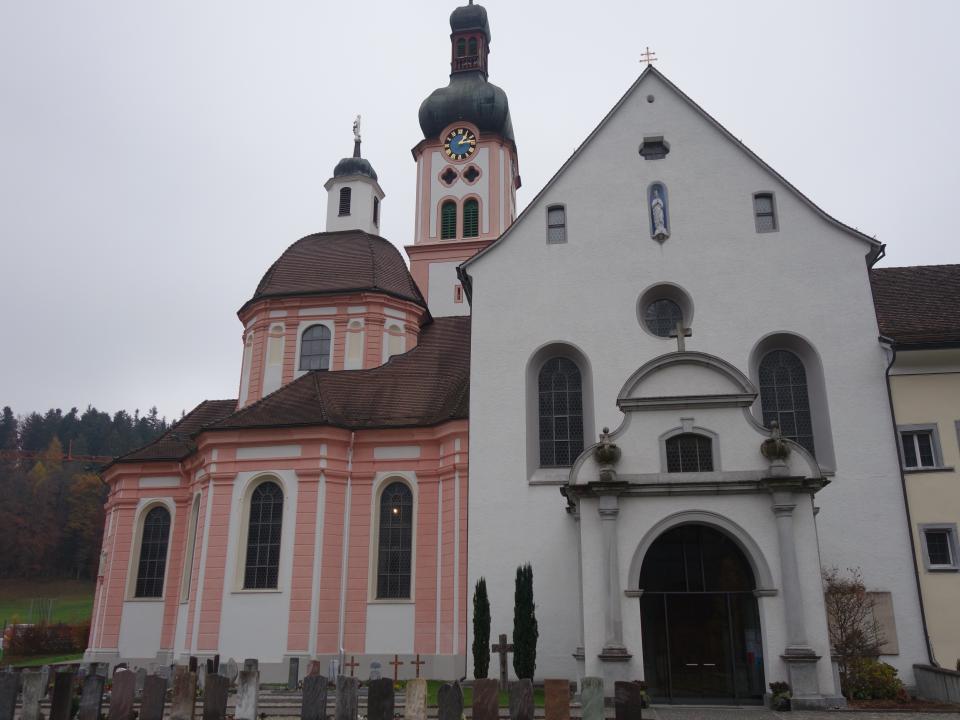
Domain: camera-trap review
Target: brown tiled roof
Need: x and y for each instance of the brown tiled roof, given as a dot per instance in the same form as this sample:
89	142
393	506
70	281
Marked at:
176	443
918	305
423	387
339	262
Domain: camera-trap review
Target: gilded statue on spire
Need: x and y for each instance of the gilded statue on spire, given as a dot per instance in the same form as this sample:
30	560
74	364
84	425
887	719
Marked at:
356	129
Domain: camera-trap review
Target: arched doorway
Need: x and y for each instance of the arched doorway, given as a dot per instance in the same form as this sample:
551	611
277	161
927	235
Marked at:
701	628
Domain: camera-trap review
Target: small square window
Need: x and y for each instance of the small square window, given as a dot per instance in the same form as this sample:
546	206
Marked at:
654	148
764	212
920	445
940	547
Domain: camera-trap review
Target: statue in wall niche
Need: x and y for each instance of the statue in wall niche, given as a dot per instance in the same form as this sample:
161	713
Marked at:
659	222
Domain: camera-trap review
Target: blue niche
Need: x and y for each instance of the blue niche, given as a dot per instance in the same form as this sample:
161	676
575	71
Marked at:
659	211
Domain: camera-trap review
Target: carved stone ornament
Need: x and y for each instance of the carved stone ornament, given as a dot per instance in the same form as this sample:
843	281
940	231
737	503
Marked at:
607	454
775	448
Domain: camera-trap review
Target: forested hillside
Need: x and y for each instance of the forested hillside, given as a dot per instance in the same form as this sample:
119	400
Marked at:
51	507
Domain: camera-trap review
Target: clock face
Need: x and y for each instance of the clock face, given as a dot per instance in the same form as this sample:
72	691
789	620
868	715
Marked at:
460	144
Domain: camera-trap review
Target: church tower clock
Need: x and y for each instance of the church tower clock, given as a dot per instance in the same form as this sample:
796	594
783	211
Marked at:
467	172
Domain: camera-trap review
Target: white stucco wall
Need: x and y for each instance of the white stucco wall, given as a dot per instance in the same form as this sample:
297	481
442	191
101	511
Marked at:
140	628
808	278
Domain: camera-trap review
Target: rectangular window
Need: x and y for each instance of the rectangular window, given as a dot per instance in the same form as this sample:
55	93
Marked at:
940	547
458	294
920	445
556	224
764	213
376	211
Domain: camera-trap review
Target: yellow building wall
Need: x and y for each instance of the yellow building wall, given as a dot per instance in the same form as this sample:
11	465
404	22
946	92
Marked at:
933	397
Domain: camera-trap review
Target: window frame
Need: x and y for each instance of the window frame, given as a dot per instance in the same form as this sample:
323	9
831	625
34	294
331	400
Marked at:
539	438
376	211
562	226
951	530
448	202
688	428
935	447
303	332
344	201
774	214
137	541
385	480
244	534
471	201
807	388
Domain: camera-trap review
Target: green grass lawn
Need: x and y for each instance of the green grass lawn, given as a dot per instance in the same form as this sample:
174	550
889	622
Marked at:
72	599
42	660
433	687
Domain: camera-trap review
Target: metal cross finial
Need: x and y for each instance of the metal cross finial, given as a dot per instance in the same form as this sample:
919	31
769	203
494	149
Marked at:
649	56
680	333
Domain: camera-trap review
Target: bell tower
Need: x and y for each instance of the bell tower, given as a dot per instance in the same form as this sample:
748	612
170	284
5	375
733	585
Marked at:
467	171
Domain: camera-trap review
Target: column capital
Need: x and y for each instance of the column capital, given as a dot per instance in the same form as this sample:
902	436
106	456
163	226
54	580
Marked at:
783	509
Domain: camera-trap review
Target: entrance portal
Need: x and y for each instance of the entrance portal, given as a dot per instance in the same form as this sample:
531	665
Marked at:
701	628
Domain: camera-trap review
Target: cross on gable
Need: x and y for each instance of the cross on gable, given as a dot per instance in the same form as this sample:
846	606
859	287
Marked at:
649	56
396	662
680	332
417	663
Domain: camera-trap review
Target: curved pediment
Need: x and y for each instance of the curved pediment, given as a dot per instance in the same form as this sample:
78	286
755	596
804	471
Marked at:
686	379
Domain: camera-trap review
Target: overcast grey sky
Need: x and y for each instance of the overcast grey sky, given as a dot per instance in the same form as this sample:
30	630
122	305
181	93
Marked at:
156	157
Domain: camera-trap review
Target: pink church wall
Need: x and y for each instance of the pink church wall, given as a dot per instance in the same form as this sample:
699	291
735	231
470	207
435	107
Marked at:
301	584
208	636
328	621
425	615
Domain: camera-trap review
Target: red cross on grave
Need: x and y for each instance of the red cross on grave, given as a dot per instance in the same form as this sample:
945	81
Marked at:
396	662
417	663
353	664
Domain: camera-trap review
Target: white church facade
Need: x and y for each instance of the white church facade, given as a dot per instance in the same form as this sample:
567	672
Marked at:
661	385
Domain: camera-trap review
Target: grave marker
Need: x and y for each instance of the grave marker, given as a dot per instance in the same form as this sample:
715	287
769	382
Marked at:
375	670
184	695
192	664
44	680
248	690
486	699
396	662
215	697
121	694
62	700
417	663
502	648
627	700
556	699
380	699
313	668
9	689
314	701
141	679
521	700
229	670
353	664
415	704
154	697
293	673
251	664
450	702
32	684
346	698
91	698
591	698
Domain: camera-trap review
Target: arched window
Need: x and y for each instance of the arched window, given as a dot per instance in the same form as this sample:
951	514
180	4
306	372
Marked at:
689	452
344	201
395	547
471	218
315	348
376	211
153	553
784	396
448	220
556	224
263	537
561	412
461	47
472	47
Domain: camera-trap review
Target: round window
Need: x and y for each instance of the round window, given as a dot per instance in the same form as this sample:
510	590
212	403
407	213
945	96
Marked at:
662	316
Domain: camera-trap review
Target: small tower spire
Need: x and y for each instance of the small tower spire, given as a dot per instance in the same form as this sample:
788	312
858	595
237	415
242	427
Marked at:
356	137
353	193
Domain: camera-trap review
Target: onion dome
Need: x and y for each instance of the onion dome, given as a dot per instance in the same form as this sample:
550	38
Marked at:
470	17
355	165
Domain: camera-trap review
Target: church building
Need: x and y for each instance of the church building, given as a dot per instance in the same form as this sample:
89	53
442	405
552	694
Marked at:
687	420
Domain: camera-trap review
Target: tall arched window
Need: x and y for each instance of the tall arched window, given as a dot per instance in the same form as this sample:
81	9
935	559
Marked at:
315	348
448	220
262	567
784	396
395	547
689	452
472	47
345	194
461	47
153	553
561	412
471	218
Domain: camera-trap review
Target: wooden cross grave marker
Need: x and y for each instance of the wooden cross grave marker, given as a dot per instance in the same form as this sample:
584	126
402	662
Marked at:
352	665
417	663
680	332
502	648
648	56
396	662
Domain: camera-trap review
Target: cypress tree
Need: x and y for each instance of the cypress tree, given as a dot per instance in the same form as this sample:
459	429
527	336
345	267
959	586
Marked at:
481	630
525	631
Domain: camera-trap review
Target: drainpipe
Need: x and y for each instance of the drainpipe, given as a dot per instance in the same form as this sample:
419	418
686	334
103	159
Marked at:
345	555
906	503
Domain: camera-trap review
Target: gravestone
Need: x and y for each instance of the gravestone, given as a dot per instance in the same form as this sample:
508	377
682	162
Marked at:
502	648
229	670
192	664
201	676
556	699
32	683
415	703
120	666
450	702
251	664
293	673
91	698
44	680
521	700
346	698
248	691
376	670
209	666
141	679
9	688
314	701
154	697
313	667
216	663
184	694
486	699
591	698
164	671
62	700
333	668
380	699
100	668
215	697
121	695
627	700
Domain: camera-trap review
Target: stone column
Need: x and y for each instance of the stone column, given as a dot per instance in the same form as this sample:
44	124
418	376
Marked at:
613	647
